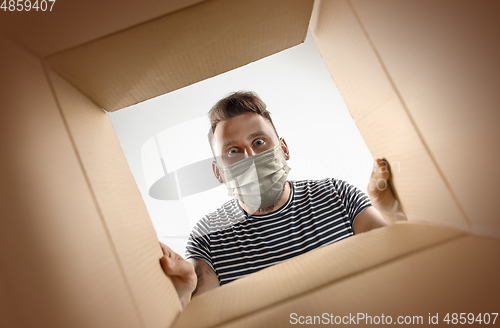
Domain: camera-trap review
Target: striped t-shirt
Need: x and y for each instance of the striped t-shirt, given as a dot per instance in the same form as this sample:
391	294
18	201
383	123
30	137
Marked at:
235	244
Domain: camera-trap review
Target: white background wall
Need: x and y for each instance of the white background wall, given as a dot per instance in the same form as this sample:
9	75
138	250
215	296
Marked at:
306	108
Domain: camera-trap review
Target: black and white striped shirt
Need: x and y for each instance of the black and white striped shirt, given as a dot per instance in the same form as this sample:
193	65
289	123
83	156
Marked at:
235	244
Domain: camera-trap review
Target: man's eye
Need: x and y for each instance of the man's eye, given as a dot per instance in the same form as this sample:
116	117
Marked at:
259	142
232	151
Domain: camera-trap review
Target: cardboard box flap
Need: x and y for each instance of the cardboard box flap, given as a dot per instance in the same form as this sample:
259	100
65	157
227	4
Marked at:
310	272
423	96
447	73
181	48
380	115
124	216
425	288
66	24
58	265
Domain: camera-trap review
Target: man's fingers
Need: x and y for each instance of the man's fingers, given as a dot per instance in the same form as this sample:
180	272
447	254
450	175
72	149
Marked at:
176	267
380	165
167	251
168	266
381	169
379	177
183	268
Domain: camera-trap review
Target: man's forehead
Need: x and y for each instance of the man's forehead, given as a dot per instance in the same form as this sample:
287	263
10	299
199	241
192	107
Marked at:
243	126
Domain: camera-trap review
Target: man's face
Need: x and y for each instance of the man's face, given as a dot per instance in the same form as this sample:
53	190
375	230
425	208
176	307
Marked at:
242	136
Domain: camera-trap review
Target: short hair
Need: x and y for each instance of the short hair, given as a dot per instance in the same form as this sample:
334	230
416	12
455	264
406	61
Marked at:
233	105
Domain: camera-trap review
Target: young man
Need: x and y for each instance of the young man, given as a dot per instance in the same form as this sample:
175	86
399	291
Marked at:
270	219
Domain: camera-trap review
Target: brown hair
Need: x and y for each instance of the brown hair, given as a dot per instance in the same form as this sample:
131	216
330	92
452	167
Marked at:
235	104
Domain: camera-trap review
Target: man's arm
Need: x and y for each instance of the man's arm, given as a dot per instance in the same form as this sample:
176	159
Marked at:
367	220
207	278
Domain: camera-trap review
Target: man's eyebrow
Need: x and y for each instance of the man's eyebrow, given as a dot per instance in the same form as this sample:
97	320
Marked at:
228	143
257	134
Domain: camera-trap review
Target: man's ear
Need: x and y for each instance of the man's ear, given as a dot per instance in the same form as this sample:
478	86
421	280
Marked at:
216	170
285	149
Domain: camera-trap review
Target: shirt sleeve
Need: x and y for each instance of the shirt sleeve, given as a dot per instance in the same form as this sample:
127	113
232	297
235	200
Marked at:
198	245
353	199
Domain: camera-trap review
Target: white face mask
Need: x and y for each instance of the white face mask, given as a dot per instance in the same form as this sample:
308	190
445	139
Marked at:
257	180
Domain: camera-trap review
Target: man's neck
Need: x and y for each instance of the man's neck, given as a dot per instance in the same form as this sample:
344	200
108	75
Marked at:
283	199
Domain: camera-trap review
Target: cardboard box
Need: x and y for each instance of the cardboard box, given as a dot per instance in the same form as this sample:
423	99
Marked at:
76	245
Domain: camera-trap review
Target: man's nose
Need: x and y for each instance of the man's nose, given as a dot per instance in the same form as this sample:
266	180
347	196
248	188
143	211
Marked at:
249	151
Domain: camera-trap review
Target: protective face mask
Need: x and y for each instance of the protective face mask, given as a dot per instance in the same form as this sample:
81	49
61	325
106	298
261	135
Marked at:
257	180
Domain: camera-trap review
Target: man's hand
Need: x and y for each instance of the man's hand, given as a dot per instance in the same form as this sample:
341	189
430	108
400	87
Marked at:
181	272
381	194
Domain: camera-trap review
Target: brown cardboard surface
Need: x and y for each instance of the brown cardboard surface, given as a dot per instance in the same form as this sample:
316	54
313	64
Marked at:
310	272
181	48
457	276
71	23
381	116
76	245
7	311
120	205
447	72
58	265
